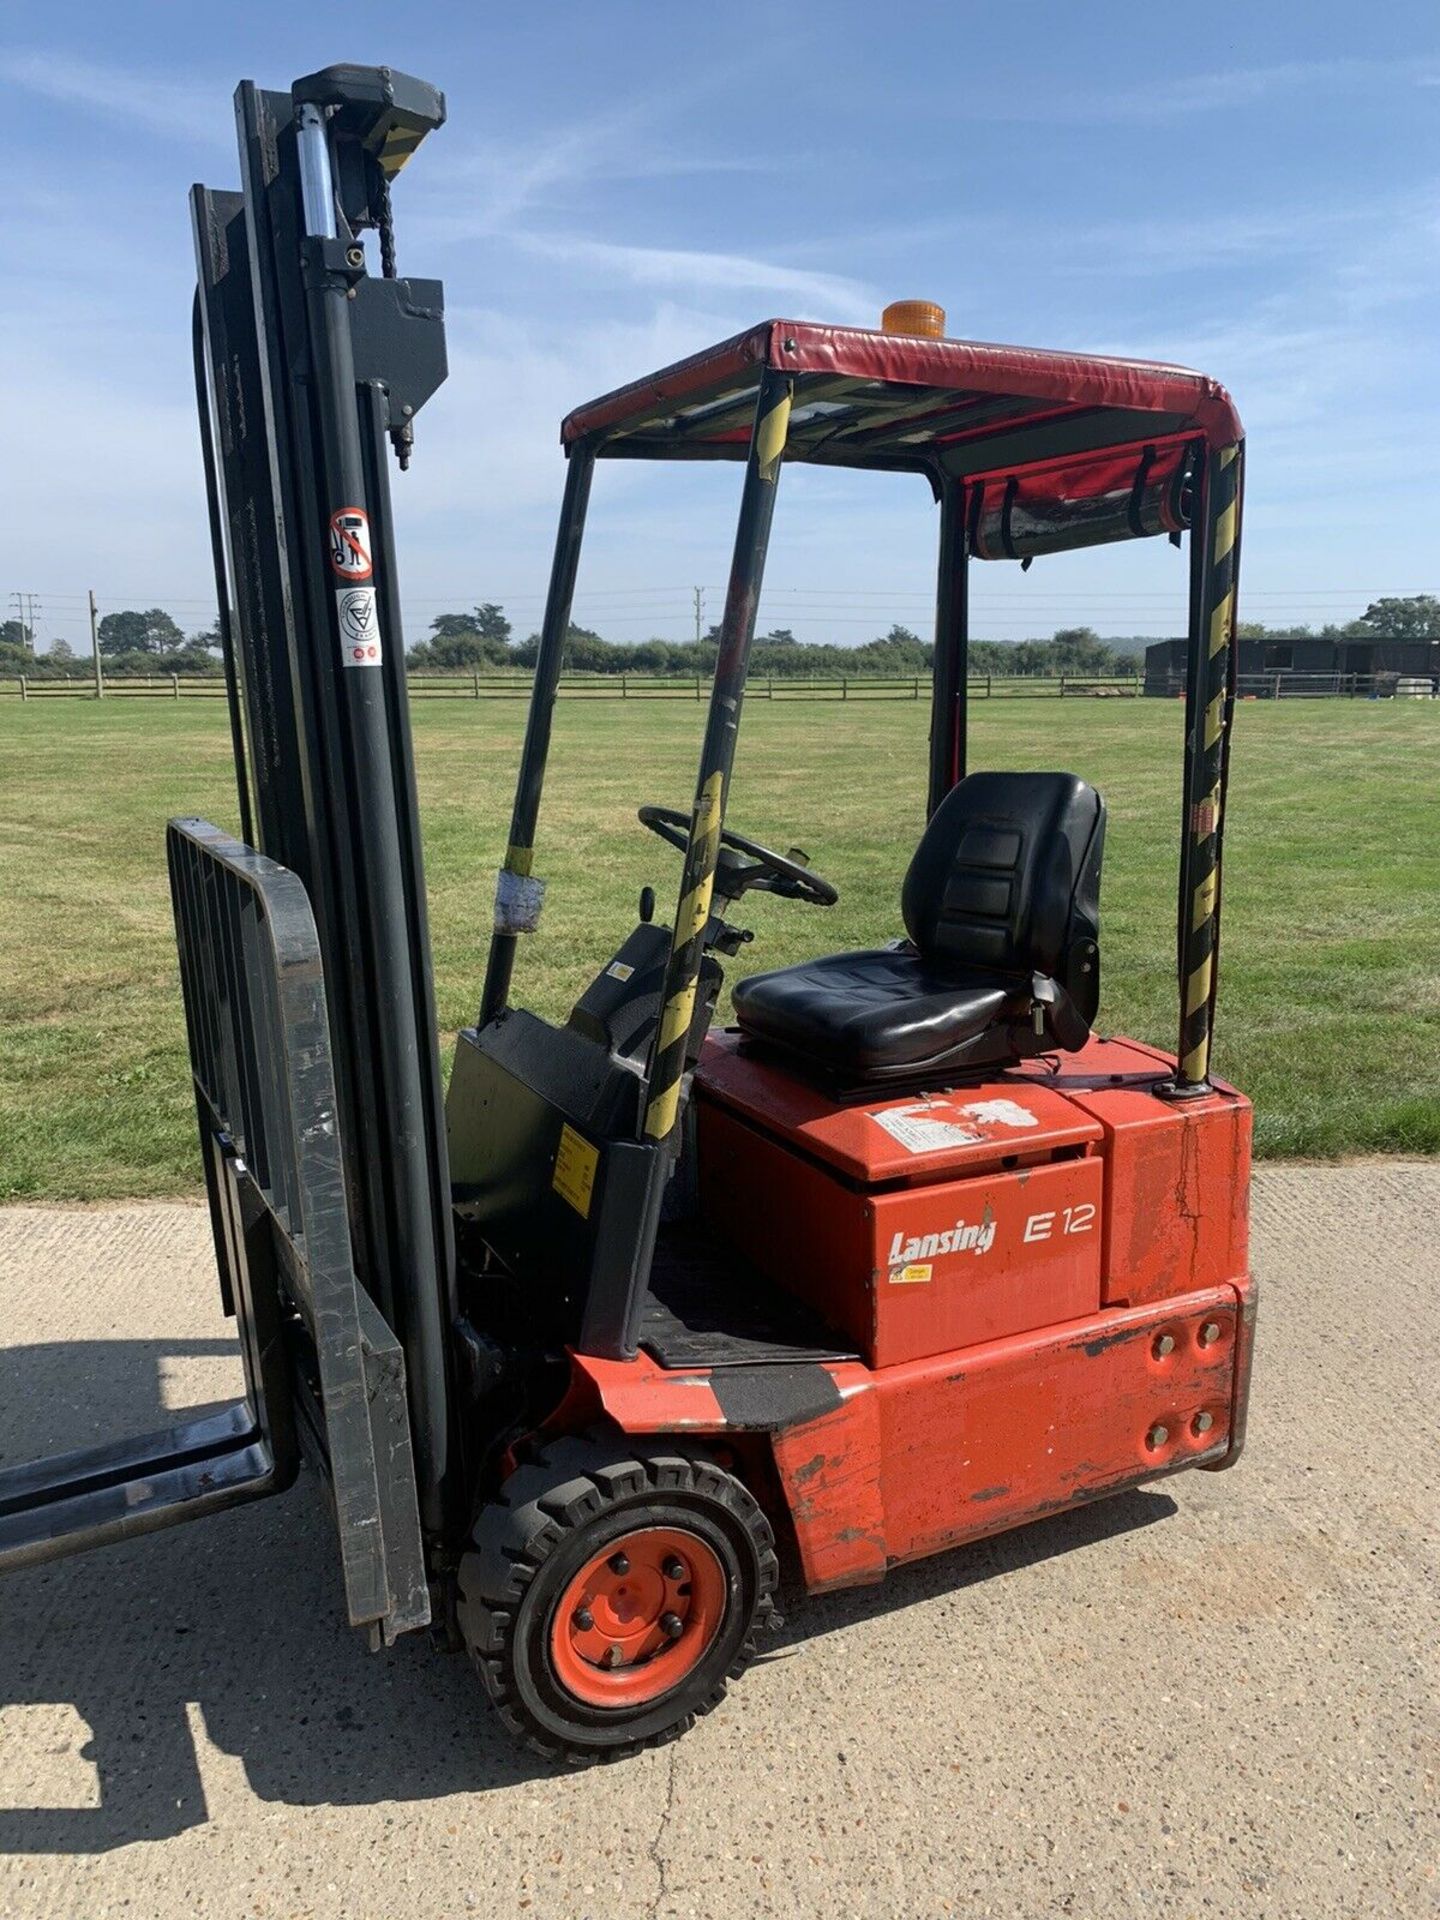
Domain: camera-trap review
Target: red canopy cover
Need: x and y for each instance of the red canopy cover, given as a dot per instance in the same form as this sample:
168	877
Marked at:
1059	449
1037	385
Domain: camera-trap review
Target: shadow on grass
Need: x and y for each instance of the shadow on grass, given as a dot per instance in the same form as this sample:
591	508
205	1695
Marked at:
239	1619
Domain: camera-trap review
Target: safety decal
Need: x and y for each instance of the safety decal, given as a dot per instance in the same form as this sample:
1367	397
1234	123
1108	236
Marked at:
350	543
574	1176
359	618
926	1129
619	970
912	1276
1000	1113
936	1124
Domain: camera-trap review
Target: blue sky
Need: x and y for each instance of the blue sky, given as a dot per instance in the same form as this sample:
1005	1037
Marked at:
1252	189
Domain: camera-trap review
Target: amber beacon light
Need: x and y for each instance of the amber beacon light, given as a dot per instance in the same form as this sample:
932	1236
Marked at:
914	316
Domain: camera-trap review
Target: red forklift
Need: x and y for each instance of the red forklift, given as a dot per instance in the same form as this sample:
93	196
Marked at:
641	1313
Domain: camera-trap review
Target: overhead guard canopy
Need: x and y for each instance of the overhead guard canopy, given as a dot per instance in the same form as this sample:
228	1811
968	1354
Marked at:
1059	449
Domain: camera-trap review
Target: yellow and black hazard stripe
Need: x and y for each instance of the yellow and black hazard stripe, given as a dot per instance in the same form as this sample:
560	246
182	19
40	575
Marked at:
398	145
687	945
1211	699
682	974
771	432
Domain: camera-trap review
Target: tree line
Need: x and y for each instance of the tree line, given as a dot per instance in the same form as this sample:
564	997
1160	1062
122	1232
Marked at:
131	642
482	640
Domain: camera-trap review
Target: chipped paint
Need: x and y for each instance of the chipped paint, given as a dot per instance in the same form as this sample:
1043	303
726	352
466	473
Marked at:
1102	1344
907	1467
835	1507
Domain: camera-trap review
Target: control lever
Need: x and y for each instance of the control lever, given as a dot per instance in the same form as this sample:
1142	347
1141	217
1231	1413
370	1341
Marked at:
647	905
1054	1011
728	939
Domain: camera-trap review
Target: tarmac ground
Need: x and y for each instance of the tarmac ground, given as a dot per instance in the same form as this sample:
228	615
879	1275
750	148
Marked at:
1214	1698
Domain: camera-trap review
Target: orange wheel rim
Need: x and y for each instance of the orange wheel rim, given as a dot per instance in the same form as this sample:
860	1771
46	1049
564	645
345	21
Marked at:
638	1617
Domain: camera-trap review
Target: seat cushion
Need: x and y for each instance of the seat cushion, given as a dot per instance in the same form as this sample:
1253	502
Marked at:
872	1011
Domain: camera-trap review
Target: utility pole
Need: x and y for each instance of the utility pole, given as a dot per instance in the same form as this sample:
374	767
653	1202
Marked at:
95	648
699	612
25	612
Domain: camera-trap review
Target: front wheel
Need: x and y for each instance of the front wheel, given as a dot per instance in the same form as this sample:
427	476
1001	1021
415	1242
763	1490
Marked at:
610	1594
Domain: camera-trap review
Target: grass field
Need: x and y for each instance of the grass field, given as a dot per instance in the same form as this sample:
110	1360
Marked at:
1330	1006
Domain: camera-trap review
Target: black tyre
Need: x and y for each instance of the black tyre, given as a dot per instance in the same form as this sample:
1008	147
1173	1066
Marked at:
611	1593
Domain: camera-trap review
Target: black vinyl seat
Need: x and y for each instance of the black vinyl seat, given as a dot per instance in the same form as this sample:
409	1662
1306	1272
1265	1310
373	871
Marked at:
1001	903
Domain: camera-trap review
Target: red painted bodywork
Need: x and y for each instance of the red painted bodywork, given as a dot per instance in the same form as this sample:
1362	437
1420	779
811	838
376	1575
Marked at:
1177	1209
1100	1337
853	1236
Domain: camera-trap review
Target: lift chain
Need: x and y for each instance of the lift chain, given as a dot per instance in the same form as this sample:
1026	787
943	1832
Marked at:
386	223
402	438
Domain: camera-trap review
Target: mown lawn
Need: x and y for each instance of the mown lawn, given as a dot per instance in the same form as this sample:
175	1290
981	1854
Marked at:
1330	1008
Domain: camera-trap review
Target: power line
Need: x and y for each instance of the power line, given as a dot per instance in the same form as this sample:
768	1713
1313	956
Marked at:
818	596
24	604
1006	610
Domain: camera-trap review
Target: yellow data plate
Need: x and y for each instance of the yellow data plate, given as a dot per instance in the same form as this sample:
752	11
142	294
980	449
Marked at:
575	1164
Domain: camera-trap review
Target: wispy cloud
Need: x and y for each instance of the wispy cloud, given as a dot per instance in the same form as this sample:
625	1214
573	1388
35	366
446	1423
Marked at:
1221	91
495	185
1182	244
519	197
1384	244
488	190
696	271
183	110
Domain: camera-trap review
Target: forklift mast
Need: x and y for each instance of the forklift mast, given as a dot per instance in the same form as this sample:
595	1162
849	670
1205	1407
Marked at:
304	954
314	366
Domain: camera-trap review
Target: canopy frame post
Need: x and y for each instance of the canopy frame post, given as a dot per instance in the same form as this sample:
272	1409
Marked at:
949	712
666	1067
530	778
1209	715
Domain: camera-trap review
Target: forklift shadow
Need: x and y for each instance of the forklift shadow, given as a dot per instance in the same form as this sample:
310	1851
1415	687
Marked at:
226	1641
184	1652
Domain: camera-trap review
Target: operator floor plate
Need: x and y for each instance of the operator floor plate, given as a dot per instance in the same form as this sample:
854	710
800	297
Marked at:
710	1308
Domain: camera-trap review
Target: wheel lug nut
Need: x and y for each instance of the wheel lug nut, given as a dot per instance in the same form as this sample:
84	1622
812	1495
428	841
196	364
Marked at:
1156	1437
674	1568
619	1563
1164	1344
583	1619
1202	1423
613	1657
671	1625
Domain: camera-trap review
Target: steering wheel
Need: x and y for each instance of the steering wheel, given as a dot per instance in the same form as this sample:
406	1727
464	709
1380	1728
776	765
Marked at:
768	872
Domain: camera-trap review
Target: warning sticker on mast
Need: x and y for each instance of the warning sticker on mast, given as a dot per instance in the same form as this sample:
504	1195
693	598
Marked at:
350	543
359	619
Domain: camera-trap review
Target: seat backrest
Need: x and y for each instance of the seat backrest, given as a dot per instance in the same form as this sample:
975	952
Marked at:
1007	877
